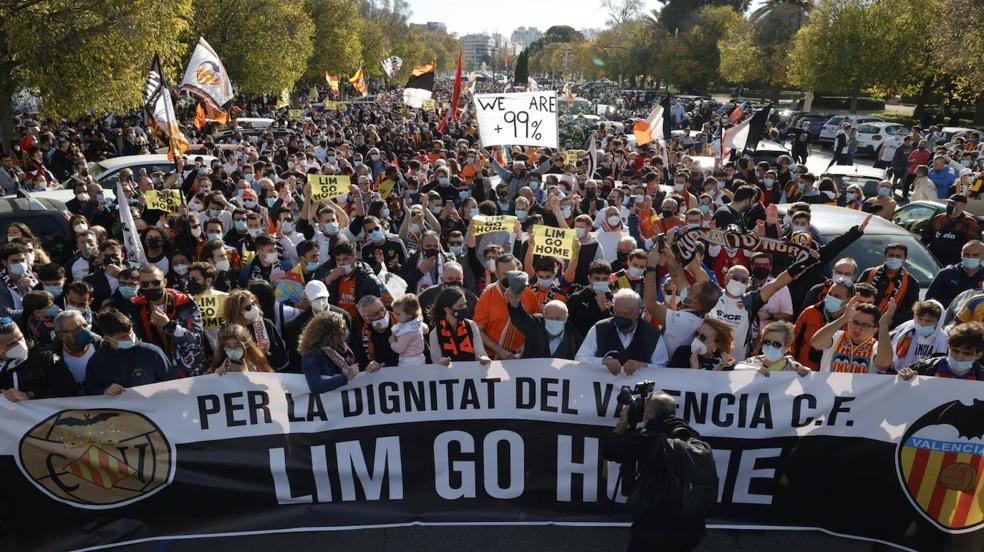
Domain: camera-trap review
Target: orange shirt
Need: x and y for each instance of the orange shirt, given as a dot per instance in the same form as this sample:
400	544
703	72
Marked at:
492	315
346	296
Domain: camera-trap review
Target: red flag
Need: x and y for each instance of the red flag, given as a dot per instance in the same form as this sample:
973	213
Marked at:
452	113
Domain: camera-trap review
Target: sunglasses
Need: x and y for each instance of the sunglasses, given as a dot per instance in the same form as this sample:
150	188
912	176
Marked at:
151	284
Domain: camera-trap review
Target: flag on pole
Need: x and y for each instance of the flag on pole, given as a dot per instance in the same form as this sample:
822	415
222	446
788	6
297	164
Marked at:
358	81
592	156
131	238
746	135
392	65
420	87
531	85
656	126
160	111
206	77
332	83
452	114
567	93
284	100
738	113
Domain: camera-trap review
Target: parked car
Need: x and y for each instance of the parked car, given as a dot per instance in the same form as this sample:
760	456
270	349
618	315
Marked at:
914	216
47	219
769	151
871	135
869	249
849	175
833	124
816	120
949	133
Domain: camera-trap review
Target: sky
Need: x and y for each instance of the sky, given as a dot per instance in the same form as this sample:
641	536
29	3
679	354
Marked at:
503	16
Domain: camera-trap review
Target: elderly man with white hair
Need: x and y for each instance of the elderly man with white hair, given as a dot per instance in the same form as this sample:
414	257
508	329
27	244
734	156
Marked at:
548	335
451	276
623	343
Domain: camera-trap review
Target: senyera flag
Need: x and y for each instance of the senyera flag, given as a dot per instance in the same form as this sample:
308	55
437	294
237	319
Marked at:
160	111
332	82
358	81
420	87
207	79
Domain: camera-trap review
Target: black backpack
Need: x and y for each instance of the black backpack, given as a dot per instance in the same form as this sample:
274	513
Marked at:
690	480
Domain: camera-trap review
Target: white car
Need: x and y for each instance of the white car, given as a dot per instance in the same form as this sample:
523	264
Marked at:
871	135
949	133
104	172
833	124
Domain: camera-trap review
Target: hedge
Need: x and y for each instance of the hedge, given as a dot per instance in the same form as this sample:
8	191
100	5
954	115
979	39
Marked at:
844	102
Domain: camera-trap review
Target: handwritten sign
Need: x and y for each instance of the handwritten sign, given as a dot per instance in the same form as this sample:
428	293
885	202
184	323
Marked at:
211	308
169	201
570	157
386	187
295	114
331	105
325	186
429	104
554	242
483	224
523	118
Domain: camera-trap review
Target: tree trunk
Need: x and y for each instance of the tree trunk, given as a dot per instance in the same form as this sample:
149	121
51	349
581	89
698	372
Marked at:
6	124
924	91
855	92
979	110
776	94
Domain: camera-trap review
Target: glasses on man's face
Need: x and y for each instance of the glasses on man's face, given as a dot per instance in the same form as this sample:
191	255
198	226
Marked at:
148	284
776	344
862	326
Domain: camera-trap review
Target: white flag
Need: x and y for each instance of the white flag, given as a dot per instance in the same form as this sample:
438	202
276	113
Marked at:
392	65
532	86
206	77
592	157
131	238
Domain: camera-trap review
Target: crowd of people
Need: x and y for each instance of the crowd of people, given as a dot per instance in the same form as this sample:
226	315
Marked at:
403	279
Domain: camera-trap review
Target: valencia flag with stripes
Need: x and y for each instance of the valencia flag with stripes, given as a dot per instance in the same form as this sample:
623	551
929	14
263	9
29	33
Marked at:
420	87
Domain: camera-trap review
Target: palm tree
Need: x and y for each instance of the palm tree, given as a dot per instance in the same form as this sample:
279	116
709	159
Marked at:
778	20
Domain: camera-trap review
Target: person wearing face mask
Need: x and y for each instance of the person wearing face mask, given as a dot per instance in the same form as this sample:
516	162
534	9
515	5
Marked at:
126	290
16	279
517	177
453	336
241	307
157	249
894	283
381	246
920	338
624	342
592	302
587	251
373	349
632	276
349	280
946	233
201	279
75	343
710	348
959	277
170	320
452	277
611	232
237	353
326	359
965	348
29	371
37	316
287	236
823	310
548	335
124	360
776	340
266	264
739	306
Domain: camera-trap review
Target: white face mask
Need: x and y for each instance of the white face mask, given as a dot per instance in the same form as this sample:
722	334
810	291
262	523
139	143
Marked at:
614	220
382	323
270	257
181	269
252	313
222	265
18	351
736	288
254	232
79	228
698	347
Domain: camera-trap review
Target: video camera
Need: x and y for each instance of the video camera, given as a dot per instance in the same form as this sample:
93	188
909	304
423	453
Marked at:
634	399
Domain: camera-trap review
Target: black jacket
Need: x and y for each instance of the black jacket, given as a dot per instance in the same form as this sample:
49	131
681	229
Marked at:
537	338
928	367
42	375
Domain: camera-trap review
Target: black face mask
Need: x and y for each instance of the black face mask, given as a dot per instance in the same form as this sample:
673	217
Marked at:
152	294
153	243
667	213
621	256
761	272
195	288
461	314
949	210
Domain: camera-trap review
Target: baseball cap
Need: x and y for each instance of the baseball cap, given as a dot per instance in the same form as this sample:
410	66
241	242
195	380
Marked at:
315	289
249	193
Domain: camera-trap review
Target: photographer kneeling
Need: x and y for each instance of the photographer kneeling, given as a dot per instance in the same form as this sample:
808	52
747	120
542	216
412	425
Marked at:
668	474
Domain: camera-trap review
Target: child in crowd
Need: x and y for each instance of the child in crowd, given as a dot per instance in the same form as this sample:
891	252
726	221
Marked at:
409	331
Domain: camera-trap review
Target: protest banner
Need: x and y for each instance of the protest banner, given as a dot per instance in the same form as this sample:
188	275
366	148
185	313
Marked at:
325	186
169	201
331	105
570	157
211	308
515	442
295	114
483	224
554	242
517	118
429	104
386	187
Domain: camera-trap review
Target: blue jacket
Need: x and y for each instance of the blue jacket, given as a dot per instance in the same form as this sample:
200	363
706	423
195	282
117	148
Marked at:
952	281
943	179
143	364
322	374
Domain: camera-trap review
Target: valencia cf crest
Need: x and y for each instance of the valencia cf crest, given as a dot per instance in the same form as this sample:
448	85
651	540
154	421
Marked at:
97	458
940	462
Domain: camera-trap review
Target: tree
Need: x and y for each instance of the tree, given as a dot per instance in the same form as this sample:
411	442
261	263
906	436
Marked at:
82	56
557	33
677	16
776	21
265	45
621	11
692	59
337	46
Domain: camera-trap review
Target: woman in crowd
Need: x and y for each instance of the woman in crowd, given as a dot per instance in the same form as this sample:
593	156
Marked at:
454	337
241	307
710	349
237	352
326	360
777	337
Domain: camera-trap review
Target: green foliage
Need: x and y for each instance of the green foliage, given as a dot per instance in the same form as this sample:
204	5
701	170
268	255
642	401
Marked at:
691	60
678	16
336	40
83	56
264	44
957	43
